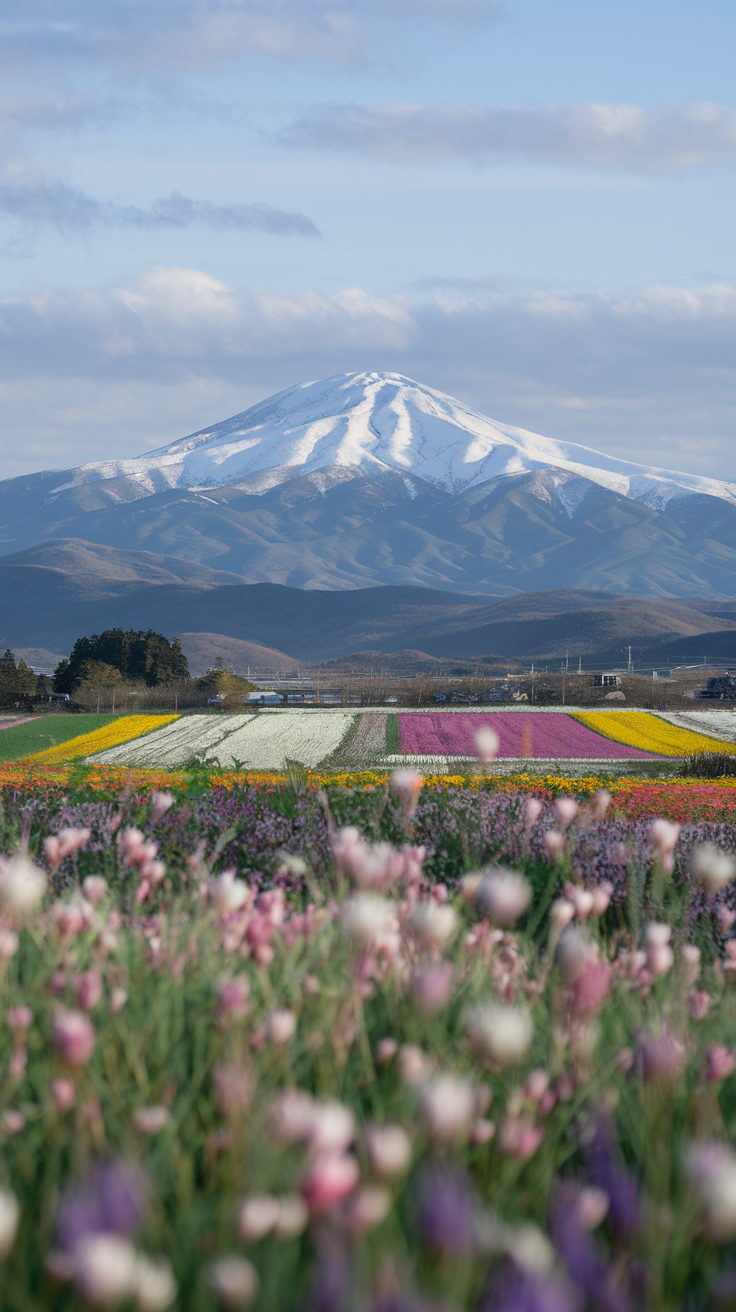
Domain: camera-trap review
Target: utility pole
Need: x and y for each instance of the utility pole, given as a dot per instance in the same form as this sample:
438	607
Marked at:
630	669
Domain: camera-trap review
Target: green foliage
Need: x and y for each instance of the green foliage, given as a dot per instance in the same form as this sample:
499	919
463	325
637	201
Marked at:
18	683
144	657
707	765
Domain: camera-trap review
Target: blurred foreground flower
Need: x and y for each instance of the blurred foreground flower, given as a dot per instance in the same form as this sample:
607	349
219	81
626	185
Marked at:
22	884
234	1280
502	1035
503	896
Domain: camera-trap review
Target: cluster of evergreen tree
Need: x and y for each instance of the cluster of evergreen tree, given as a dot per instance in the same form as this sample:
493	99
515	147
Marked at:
18	683
140	657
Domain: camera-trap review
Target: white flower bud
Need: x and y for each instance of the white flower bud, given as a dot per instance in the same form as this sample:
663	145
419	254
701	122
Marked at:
22	884
364	917
433	923
227	892
503	896
501	1034
447	1104
389	1150
257	1217
155	1287
712	867
105	1269
234	1281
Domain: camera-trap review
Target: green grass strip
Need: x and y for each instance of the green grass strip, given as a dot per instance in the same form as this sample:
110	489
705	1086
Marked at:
47	731
393	735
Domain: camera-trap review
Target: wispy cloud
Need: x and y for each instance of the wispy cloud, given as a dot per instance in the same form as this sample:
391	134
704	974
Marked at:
72	212
181	34
603	136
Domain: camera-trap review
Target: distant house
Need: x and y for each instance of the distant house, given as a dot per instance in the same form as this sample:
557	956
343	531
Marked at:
606	680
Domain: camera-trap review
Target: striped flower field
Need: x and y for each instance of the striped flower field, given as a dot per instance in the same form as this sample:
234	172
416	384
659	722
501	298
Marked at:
121	730
651	733
530	734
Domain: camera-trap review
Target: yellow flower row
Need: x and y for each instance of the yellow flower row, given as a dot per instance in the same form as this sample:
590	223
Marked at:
648	732
120	731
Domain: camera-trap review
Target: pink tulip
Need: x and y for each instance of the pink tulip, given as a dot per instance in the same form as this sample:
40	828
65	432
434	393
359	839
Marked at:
487	744
386	1049
519	1137
74	1037
566	808
18	1063
8	944
52	851
554	842
698	1004
432	987
601	897
19	1021
533	809
232	999
481	1132
591	987
536	1085
407	785
719	1063
662	1058
161	803
87	989
94	888
233	1088
64	1094
118	999
13	1121
664	836
329	1180
603	800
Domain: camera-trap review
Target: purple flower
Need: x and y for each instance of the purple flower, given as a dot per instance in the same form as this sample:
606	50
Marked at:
579	1253
446	1210
332	1280
514	1290
605	1172
113	1198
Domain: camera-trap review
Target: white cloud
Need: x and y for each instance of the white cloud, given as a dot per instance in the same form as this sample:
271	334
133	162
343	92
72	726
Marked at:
648	375
620	137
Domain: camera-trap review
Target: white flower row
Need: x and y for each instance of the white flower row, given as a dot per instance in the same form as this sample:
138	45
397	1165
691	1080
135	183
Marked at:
192	735
262	742
712	724
266	741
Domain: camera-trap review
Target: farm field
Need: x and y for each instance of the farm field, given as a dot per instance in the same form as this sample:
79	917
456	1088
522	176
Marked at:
24	738
640	730
549	736
339	738
262	741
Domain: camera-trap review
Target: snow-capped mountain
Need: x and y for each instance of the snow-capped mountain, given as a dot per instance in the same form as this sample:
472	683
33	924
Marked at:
373	479
379	422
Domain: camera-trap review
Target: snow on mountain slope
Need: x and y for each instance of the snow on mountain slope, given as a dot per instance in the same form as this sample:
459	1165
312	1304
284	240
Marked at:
374	422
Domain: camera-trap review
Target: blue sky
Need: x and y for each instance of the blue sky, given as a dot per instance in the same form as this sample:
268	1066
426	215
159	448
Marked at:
528	205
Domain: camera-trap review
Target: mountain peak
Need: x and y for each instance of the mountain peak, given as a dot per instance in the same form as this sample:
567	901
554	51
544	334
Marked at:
371	423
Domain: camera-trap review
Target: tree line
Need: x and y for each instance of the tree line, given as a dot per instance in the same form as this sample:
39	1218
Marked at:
121	655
